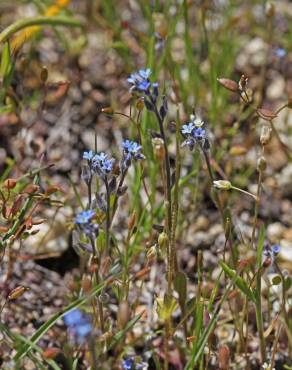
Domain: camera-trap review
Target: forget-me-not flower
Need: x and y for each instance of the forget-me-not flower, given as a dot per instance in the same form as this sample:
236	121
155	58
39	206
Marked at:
140	80
194	133
102	164
79	325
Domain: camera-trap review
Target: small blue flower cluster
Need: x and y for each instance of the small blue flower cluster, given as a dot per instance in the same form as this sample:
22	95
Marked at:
131	364
84	221
270	252
99	163
195	134
140	81
79	326
141	84
131	151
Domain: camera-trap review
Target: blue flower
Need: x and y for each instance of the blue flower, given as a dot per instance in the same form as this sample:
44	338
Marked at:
188	128
133	149
84	217
280	52
88	155
199	133
102	165
128	364
78	324
140	80
276	249
72	317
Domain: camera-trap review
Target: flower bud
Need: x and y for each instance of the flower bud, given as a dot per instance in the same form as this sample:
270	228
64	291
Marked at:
222	184
151	253
262	164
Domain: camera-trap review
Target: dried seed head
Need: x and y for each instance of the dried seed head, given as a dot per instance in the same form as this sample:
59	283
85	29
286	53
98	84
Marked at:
223	357
228	84
242	84
265	135
151	253
262	164
17	292
10	183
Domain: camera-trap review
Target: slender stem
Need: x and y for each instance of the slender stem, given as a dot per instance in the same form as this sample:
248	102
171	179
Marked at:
108	222
245	192
37	21
115	204
256	208
167	169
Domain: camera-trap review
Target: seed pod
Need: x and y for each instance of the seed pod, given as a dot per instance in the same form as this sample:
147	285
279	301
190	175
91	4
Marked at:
237	150
17	292
51	353
265	135
158	147
266	114
107	110
228	84
162	240
44	74
31	189
124	314
10	183
222	184
270	9
223	357
86	284
140	104
132	221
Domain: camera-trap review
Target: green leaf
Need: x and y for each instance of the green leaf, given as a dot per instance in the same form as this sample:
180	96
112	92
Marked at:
239	281
118	336
180	285
6	63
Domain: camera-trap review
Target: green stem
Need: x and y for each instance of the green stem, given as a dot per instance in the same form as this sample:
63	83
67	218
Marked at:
37	21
